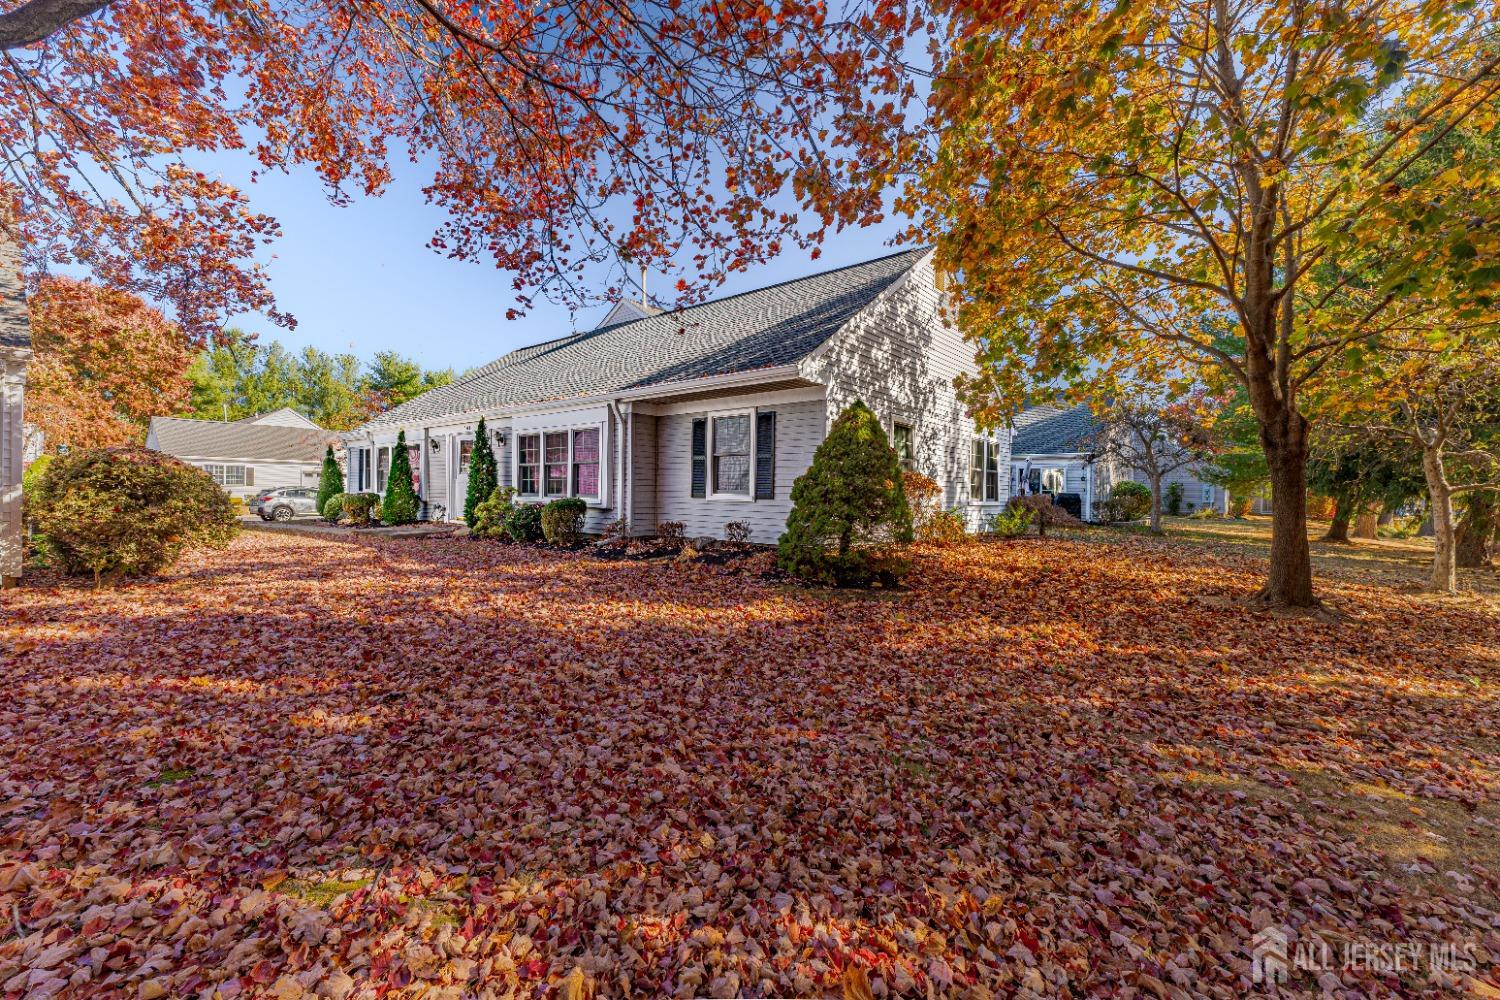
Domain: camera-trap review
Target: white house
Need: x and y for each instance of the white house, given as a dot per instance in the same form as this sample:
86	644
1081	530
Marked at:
1054	450
280	448
706	415
15	355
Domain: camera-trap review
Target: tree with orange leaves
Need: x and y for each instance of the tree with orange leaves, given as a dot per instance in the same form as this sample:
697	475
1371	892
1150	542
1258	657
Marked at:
567	136
1227	188
105	363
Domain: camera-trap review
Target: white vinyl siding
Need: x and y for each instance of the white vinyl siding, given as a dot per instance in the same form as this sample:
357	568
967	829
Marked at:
12	446
799	430
643	454
900	358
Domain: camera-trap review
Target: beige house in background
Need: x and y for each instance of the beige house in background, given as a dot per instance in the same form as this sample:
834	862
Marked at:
15	355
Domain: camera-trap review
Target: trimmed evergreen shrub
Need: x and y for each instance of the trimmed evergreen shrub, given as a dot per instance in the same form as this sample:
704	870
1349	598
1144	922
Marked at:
849	510
360	507
1174	499
333	508
490	516
127	511
1128	501
399	505
1011	522
525	523
332	482
562	521
483	476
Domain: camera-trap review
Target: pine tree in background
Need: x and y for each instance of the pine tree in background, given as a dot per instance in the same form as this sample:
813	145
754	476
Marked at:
332	483
400	503
849	508
483	477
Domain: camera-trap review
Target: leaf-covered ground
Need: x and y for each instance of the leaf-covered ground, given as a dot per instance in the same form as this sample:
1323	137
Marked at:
441	768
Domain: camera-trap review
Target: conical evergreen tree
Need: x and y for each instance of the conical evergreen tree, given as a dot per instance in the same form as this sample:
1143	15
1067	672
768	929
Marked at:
399	506
848	506
483	477
332	483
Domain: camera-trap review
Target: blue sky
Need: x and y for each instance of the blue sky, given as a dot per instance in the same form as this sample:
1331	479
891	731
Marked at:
361	279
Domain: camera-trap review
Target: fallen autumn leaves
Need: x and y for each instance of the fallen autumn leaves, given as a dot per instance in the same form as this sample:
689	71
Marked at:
310	767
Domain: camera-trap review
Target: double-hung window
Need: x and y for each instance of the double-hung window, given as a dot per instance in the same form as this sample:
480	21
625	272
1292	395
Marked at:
731	455
1052	481
227	475
984	472
901	440
566	463
529	464
382	468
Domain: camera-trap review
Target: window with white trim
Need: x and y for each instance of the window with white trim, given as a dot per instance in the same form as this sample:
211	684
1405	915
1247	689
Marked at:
984	472
902	441
465	456
1052	481
226	475
1208	493
730	453
382	468
562	463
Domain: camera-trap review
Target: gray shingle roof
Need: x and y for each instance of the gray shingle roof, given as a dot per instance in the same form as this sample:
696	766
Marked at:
766	328
215	439
15	323
1053	430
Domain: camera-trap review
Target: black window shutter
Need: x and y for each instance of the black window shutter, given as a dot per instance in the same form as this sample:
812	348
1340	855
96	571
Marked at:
765	454
700	457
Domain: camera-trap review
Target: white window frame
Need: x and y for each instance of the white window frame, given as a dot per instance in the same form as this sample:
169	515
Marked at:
712	492
907	463
569	430
219	471
1061	480
991	454
1206	492
390	457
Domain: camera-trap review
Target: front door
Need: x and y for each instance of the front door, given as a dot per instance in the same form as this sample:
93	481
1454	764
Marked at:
463	450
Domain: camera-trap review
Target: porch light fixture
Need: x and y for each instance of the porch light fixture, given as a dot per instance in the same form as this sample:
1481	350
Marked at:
435	445
500	438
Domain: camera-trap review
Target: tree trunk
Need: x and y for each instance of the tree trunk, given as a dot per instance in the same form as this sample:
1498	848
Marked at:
1444	579
1156	505
1476	532
1343	513
1367	521
1289	583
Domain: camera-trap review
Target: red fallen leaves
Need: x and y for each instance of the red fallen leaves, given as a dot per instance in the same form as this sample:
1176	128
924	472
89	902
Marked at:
304	768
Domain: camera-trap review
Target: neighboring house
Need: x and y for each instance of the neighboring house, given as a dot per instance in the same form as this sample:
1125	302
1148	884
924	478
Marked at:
707	414
15	355
1055	450
280	448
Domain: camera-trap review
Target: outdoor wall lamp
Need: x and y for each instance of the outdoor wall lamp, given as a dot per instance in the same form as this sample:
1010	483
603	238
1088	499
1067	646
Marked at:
435	445
500	438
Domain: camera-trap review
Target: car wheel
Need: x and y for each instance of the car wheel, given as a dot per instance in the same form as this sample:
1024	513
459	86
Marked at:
282	514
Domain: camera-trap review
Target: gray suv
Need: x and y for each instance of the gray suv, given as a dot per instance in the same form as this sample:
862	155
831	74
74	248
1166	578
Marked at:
285	503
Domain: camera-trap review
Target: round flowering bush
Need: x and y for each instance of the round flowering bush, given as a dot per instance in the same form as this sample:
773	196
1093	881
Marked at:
127	511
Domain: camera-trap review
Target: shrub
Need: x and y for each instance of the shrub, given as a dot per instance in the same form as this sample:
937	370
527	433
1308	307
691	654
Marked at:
331	484
737	533
399	505
525	523
1239	507
848	508
110	511
562	521
945	527
483	476
617	529
490	516
1321	508
1128	501
1174	499
1204	514
1044	513
360	507
333	508
1011	522
670	532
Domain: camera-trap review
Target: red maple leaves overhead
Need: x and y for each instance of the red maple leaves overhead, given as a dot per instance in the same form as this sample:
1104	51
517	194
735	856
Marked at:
356	769
561	136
